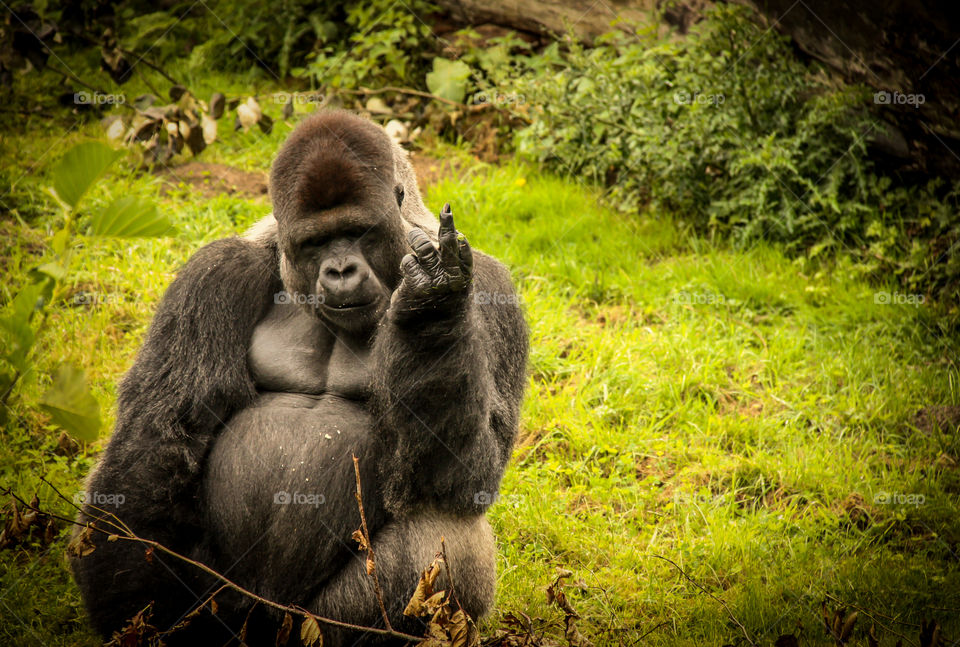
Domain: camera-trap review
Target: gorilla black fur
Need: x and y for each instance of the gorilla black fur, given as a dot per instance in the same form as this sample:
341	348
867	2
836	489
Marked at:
274	358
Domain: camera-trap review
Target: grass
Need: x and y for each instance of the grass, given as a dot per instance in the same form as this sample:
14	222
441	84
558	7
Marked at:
754	420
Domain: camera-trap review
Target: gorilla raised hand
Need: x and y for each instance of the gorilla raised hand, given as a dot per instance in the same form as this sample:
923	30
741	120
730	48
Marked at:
337	328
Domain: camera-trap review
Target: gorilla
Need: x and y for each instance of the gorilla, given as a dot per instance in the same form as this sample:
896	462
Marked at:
350	322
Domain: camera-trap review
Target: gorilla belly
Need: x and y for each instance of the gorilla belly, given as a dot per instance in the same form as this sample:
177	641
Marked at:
279	488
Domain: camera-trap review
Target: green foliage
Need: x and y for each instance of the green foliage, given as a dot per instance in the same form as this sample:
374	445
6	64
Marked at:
383	44
731	132
68	400
129	217
79	168
230	34
448	79
71	405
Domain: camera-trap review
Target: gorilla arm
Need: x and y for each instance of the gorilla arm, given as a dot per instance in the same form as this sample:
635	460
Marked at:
449	372
188	378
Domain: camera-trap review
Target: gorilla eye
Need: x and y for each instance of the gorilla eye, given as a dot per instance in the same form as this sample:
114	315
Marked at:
312	243
398	191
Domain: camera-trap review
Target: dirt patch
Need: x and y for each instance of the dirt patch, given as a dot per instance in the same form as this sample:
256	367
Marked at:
945	417
212	180
431	170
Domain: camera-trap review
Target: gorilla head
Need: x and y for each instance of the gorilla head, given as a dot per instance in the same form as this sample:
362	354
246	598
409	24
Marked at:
337	200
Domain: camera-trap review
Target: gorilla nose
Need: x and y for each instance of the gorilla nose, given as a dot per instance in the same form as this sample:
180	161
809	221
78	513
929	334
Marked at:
342	279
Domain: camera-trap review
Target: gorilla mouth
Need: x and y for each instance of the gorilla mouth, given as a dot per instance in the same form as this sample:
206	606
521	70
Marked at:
346	307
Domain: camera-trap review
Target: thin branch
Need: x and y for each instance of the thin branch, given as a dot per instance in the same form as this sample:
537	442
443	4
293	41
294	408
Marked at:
873	616
718	599
415	93
369	545
119	525
300	611
446	565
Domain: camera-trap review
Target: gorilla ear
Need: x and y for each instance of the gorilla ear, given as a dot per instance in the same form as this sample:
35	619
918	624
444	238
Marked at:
398	191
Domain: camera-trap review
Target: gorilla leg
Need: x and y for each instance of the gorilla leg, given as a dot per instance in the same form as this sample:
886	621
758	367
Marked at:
403	550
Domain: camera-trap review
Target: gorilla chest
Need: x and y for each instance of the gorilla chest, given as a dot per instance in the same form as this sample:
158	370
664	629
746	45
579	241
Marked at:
293	352
280	474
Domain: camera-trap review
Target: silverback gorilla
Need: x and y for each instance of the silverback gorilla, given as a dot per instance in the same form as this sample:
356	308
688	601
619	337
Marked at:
271	361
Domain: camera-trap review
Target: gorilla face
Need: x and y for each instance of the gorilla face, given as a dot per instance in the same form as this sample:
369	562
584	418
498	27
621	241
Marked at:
346	271
339	225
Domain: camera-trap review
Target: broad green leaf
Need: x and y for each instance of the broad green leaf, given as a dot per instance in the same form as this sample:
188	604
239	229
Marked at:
71	405
448	79
128	217
79	168
52	269
16	322
60	241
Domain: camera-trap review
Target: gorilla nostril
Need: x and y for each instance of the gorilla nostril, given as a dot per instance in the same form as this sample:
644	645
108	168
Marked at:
349	270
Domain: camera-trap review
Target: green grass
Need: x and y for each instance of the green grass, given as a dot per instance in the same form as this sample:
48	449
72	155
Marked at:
735	412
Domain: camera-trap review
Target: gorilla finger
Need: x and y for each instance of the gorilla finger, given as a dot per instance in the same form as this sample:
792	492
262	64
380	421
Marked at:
449	247
466	255
409	266
424	249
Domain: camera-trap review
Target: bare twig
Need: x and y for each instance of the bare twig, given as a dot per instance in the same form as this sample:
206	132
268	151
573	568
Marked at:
196	611
873	616
416	93
718	599
371	559
127	535
446	565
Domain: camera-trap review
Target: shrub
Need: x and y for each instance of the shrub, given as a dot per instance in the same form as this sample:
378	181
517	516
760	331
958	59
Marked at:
731	132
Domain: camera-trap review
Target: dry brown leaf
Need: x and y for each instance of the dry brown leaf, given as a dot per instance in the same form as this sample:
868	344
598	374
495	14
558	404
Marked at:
81	545
462	631
416	606
310	634
360	539
285	627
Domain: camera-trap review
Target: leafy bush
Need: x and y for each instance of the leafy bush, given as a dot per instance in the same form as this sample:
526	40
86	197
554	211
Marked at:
730	131
383	43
